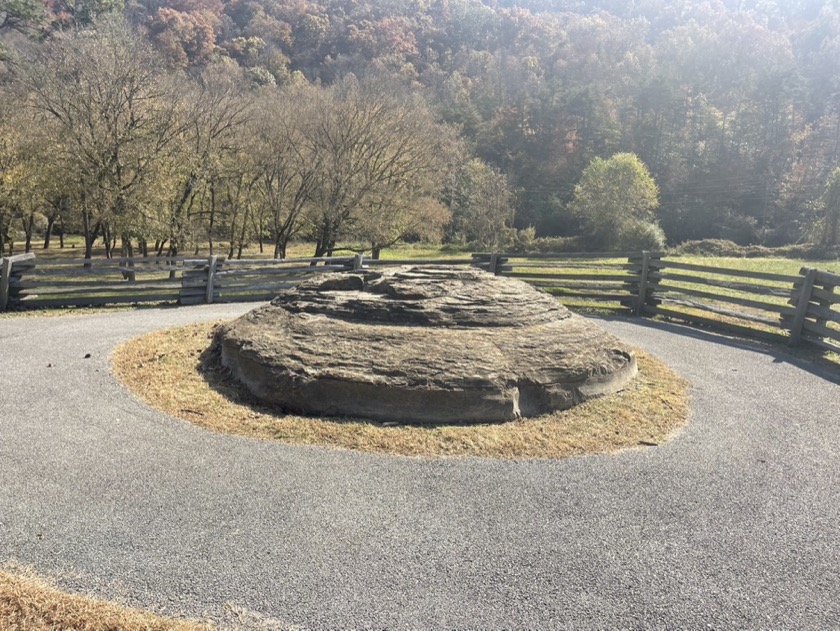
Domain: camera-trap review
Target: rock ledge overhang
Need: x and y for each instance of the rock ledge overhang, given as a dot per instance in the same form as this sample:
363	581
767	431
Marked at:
422	344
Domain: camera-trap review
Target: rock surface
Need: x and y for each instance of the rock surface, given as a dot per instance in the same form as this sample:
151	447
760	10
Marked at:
424	345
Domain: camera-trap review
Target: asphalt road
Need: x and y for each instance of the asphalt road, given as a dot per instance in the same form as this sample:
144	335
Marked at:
733	524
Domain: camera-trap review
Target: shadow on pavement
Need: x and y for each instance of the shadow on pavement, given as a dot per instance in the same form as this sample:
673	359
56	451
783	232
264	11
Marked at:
810	361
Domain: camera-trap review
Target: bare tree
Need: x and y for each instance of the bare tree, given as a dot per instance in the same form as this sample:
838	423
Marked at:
216	110
117	119
375	146
285	166
20	164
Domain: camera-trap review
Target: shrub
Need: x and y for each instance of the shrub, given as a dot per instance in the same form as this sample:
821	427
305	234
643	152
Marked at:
641	235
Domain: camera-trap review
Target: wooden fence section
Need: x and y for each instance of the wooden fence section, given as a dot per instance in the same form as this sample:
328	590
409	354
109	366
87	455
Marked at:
739	301
82	283
611	280
368	263
215	279
802	308
11	270
817	315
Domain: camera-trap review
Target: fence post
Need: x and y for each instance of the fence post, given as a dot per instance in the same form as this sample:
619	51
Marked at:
5	275
825	305
802	304
492	267
24	262
643	282
358	262
211	277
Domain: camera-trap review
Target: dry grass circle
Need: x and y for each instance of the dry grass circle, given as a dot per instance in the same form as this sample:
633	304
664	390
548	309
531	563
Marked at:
174	371
29	602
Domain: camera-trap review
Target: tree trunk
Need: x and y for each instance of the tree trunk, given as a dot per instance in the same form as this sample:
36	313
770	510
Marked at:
374	252
106	241
48	232
89	235
832	233
176	225
127	251
212	217
173	252
242	233
325	242
28	225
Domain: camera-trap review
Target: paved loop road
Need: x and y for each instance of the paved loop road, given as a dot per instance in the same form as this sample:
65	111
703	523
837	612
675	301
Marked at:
735	523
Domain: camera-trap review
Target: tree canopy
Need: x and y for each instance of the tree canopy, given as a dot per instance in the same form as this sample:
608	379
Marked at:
733	107
615	202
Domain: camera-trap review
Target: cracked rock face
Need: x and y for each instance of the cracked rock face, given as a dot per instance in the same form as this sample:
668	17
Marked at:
422	345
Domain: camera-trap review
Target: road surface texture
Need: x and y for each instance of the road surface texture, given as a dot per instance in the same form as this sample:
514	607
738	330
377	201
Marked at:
735	523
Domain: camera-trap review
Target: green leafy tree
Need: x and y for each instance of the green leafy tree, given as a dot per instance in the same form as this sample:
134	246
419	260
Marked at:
482	205
828	228
615	201
77	13
21	15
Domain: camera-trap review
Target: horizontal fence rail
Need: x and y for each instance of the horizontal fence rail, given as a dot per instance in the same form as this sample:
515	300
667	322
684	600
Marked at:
93	282
598	279
740	301
799	308
252	280
817	316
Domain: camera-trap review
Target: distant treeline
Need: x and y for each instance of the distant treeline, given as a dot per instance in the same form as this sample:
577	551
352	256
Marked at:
733	107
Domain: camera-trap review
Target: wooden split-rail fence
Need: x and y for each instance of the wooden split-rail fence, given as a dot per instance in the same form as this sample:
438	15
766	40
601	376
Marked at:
802	308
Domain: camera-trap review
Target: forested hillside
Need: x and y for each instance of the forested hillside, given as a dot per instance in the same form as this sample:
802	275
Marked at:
186	122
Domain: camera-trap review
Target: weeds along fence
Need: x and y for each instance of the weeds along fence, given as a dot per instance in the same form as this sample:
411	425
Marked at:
796	308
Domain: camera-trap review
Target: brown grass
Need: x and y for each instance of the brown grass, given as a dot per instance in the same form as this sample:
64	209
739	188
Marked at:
172	370
29	603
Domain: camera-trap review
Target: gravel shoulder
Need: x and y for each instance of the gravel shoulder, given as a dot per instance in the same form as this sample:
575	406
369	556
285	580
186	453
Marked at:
734	523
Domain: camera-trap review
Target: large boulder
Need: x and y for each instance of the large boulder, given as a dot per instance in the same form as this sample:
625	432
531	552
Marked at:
424	345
